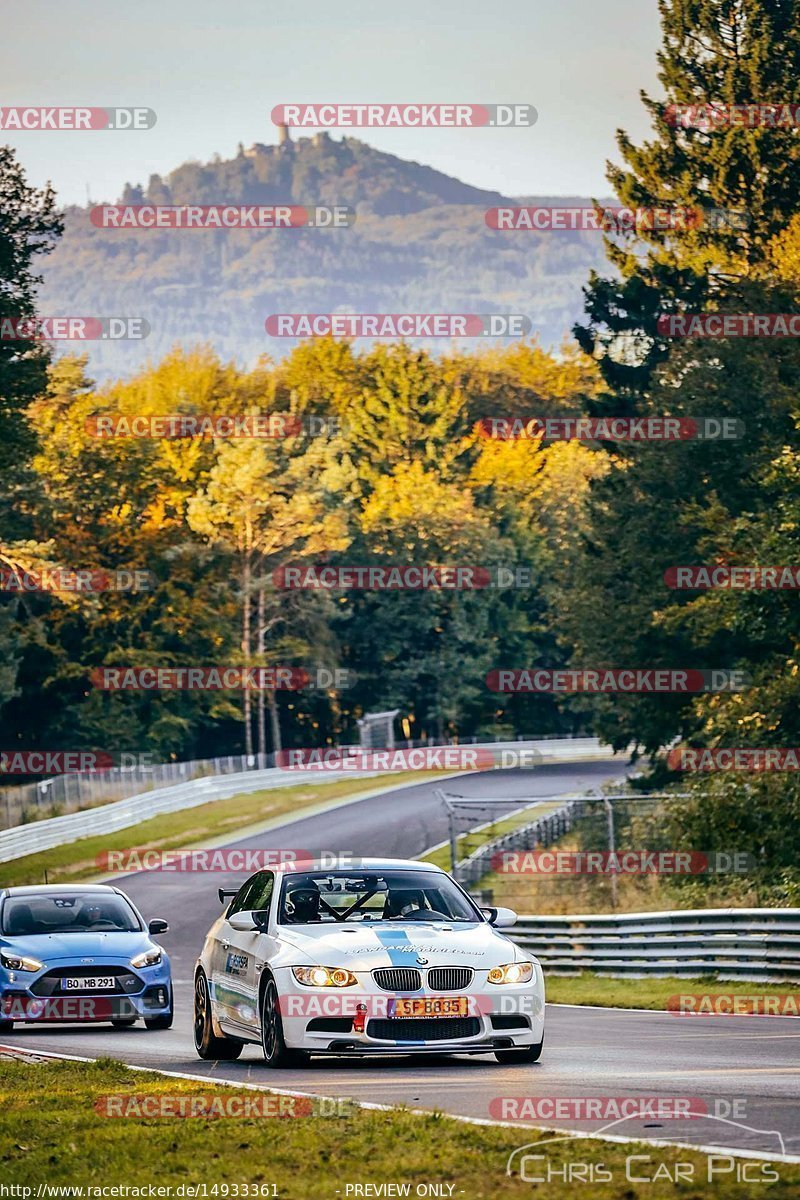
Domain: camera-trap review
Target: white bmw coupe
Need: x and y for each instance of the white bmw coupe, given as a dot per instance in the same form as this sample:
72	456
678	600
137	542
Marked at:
389	957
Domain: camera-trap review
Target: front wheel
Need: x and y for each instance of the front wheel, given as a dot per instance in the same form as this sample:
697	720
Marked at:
123	1022
206	1042
276	1052
6	1027
522	1054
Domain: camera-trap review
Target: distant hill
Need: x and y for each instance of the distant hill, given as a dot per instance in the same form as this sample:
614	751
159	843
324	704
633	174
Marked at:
419	244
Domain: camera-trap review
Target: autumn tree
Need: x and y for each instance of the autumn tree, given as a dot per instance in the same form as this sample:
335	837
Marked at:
263	514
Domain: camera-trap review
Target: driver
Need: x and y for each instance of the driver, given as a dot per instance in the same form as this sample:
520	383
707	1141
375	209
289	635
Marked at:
91	915
302	903
402	901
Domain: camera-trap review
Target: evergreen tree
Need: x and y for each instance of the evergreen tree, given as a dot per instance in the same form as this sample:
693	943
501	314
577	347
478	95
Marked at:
715	53
28	226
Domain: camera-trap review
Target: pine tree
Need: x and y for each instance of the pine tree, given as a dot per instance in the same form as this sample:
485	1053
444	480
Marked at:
28	226
718	53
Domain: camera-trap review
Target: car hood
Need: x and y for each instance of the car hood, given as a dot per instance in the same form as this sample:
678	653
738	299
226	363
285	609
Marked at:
54	947
400	944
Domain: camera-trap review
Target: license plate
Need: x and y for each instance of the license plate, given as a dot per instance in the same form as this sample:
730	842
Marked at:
430	1006
90	983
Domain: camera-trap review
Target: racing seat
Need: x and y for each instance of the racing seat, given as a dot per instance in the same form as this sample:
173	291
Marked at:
302	905
22	921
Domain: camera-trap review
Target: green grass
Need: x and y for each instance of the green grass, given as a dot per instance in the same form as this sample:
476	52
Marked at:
469	842
52	1134
650	993
188	827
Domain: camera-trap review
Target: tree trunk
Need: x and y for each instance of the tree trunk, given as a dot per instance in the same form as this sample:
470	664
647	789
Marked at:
246	574
260	646
275	720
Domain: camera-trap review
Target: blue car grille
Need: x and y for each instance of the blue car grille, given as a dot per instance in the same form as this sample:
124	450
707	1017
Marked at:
49	984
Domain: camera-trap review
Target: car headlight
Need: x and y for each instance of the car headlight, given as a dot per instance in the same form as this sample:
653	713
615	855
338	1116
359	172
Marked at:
148	958
324	976
18	962
521	972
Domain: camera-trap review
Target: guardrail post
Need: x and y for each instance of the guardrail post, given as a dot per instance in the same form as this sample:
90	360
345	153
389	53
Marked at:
611	846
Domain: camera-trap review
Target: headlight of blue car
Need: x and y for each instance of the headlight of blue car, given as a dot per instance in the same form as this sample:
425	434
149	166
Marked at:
148	958
18	962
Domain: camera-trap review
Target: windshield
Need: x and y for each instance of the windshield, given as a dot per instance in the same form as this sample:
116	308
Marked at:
321	897
77	912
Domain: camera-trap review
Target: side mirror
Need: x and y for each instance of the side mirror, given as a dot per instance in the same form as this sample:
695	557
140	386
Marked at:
248	922
158	925
501	918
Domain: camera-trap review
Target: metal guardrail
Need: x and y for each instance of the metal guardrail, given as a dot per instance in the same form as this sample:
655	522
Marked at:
109	818
60	794
734	943
541	832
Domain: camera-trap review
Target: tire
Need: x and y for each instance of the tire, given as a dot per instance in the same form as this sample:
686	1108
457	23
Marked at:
273	1046
163	1020
6	1027
123	1022
206	1042
522	1054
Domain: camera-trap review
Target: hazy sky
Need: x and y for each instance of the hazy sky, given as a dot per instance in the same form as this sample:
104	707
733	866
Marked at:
213	71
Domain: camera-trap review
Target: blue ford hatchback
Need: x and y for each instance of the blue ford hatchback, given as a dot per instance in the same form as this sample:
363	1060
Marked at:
80	953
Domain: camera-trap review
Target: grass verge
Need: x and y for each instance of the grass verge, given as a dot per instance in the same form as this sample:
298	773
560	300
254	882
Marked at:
589	988
53	1135
187	827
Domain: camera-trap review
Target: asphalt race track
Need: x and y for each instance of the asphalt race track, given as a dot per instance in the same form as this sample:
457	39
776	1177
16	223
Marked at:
748	1067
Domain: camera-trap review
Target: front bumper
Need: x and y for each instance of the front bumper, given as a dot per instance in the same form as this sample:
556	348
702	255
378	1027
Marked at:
359	1020
41	998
